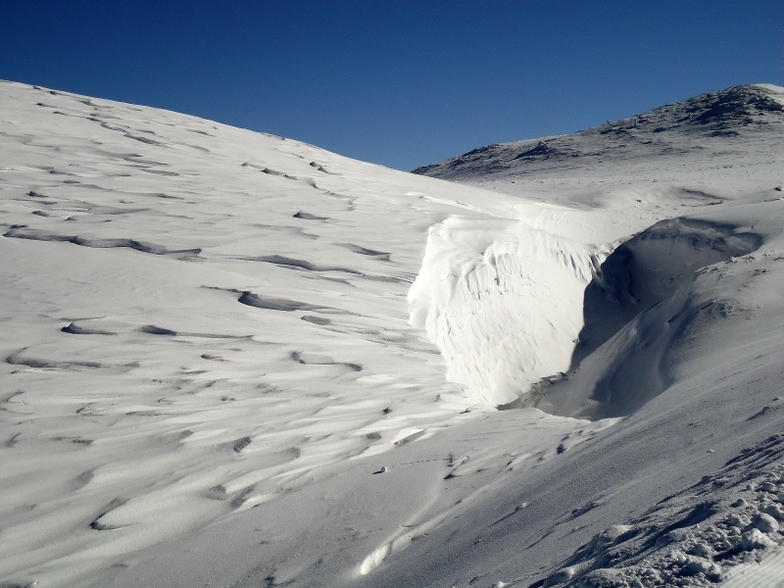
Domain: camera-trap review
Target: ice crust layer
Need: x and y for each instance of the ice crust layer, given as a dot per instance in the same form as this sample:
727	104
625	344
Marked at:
503	301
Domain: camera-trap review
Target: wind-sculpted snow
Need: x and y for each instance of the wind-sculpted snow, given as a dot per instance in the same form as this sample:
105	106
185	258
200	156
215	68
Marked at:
189	307
210	374
502	301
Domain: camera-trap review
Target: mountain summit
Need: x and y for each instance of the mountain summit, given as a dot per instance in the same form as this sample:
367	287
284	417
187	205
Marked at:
707	121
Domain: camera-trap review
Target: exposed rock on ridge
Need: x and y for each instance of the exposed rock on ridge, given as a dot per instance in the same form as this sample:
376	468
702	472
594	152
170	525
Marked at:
673	129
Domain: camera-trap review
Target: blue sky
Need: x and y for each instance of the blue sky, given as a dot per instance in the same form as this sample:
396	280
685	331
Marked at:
397	82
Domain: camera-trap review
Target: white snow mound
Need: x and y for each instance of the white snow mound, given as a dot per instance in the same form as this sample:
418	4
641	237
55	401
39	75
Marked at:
503	301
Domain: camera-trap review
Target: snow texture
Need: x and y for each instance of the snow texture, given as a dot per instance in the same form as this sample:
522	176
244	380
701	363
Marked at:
503	302
233	359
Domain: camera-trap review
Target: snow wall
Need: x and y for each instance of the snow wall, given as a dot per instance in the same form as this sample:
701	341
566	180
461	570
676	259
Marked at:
502	301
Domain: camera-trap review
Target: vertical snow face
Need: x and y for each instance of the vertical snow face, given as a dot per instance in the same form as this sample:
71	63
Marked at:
502	301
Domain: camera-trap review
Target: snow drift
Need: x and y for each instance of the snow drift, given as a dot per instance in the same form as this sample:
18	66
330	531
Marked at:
503	302
209	375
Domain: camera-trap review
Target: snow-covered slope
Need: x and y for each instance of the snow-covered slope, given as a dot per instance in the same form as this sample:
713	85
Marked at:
233	359
715	125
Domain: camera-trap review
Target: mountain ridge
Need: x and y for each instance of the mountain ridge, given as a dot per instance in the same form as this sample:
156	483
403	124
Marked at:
666	130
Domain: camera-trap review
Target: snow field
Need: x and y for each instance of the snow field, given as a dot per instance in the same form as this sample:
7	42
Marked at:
160	378
211	377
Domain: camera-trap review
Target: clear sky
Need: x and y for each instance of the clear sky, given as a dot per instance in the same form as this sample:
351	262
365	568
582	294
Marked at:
397	82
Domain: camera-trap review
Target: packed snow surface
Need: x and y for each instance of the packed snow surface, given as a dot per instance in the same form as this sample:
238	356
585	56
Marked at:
232	359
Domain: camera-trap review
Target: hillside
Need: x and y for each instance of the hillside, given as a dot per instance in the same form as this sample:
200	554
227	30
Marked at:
709	125
234	359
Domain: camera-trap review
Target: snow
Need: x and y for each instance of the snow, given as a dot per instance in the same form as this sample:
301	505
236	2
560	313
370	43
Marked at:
503	302
232	359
